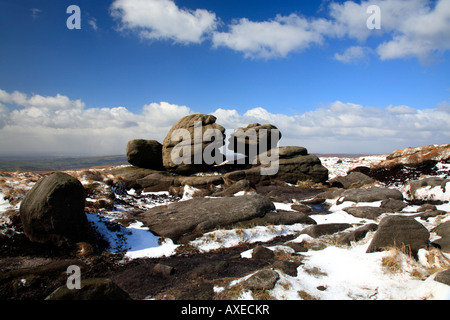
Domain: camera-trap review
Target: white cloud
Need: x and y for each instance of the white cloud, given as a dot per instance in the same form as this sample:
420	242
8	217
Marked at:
350	128
270	39
29	126
57	102
413	28
409	28
421	33
35	13
163	19
353	54
401	109
93	23
58	125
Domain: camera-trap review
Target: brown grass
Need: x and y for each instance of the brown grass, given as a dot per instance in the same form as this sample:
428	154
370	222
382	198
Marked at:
306	296
398	260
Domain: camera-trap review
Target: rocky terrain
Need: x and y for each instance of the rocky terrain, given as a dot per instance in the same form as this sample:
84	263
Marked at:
374	227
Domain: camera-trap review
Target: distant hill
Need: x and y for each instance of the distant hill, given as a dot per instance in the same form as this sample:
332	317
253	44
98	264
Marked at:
58	163
70	163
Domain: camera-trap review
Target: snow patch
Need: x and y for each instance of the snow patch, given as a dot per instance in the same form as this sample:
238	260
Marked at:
436	193
137	241
349	273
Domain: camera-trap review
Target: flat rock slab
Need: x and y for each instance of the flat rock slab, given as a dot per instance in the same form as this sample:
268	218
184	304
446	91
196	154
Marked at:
370	195
318	230
364	212
186	220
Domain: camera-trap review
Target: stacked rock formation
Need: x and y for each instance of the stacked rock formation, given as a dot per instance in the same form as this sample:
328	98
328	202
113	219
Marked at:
192	145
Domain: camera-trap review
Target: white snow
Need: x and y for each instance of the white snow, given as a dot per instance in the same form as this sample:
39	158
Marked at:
229	238
283	206
338	166
350	273
436	193
4	204
136	240
188	192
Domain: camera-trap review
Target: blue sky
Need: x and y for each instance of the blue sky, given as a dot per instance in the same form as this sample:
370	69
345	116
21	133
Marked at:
312	68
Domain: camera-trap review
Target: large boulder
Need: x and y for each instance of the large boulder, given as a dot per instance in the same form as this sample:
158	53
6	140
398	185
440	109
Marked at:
399	231
254	139
145	154
53	211
183	150
186	220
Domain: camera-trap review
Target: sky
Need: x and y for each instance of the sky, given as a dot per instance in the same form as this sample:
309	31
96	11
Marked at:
353	76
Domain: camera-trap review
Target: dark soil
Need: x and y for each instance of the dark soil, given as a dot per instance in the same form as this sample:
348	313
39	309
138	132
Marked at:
400	175
31	271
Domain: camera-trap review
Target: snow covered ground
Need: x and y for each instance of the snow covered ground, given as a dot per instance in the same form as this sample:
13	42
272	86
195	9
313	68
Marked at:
338	166
327	272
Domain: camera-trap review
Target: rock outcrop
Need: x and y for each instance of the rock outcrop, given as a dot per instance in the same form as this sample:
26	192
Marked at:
53	211
254	139
291	167
145	154
415	156
183	150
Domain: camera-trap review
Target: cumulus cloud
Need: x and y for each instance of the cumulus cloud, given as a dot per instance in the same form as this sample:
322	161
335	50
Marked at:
59	125
269	39
350	128
353	54
38	125
409	28
421	34
164	20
